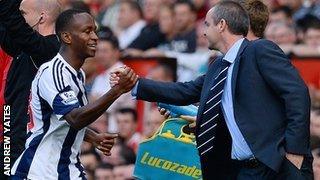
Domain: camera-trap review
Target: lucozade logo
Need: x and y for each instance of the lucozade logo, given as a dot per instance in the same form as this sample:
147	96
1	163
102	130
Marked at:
167	165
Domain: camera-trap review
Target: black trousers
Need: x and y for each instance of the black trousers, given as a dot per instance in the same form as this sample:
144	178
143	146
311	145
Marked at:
288	171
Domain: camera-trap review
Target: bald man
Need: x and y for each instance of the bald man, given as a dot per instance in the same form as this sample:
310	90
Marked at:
27	34
41	14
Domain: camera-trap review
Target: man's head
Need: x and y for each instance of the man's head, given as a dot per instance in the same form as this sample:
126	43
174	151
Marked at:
130	12
281	33
104	172
151	10
123	172
76	31
166	20
185	15
162	72
312	33
127	122
108	52
258	15
90	160
121	154
223	22
281	14
41	14
152	123
293	4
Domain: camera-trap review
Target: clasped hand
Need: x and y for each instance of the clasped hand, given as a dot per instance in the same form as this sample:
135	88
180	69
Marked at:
123	78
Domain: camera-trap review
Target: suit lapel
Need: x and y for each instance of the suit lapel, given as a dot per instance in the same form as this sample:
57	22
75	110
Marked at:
209	81
212	73
236	66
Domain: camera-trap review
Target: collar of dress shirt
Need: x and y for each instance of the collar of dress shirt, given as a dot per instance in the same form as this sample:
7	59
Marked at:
231	54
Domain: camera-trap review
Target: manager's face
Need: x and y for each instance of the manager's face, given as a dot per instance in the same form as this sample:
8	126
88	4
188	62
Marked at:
211	31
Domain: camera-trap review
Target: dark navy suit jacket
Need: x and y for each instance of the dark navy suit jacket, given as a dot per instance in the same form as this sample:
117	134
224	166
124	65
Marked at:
271	104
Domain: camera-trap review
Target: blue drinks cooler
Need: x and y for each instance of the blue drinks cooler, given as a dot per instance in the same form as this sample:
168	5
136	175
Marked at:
177	111
169	154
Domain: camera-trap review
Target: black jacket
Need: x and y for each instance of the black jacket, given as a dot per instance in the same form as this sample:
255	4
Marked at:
149	37
29	50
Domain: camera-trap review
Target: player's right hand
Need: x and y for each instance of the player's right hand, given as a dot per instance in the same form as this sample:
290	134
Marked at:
123	78
114	75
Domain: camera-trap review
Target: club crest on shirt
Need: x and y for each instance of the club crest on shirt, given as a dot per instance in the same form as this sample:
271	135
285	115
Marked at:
68	97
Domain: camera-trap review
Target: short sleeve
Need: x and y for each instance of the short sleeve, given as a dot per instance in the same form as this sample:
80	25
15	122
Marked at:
64	102
56	90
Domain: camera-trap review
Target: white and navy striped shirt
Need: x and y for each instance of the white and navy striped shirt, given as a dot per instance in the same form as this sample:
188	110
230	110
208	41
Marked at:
53	146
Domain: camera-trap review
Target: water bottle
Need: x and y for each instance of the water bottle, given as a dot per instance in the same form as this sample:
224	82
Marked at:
177	111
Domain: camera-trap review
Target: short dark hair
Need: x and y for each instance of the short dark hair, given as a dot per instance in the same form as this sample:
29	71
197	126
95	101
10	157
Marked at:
134	5
285	9
308	21
192	7
168	70
259	16
65	20
313	23
105	166
106	34
92	152
130	111
127	154
235	16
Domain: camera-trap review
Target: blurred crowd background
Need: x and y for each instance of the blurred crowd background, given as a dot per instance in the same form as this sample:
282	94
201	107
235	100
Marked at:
174	29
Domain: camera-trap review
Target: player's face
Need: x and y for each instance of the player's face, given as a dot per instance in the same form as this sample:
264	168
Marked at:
211	31
83	36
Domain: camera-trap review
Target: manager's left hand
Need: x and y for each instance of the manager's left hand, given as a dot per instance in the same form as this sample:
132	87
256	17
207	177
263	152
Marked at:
295	159
191	119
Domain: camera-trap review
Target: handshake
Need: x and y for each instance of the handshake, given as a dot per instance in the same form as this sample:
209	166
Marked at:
123	79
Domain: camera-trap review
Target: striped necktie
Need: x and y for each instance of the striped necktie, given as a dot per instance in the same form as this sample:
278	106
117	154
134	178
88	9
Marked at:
212	111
